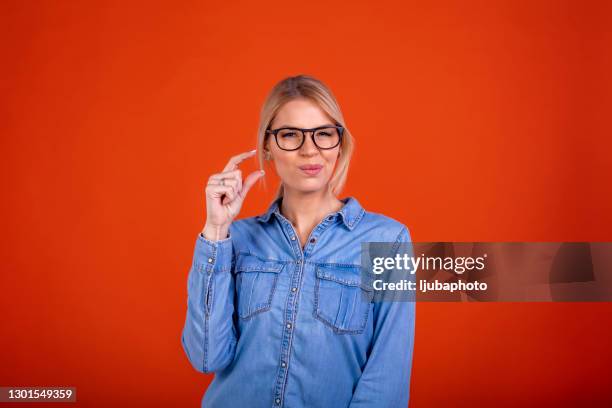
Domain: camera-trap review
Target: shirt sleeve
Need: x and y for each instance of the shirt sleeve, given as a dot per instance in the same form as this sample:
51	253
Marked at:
385	381
209	335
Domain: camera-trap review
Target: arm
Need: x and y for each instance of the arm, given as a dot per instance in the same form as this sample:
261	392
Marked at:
209	336
385	381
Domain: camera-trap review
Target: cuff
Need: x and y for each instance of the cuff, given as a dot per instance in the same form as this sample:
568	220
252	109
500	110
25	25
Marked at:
212	256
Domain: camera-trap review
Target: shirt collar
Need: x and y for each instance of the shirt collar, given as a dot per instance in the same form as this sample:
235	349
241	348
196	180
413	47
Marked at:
350	213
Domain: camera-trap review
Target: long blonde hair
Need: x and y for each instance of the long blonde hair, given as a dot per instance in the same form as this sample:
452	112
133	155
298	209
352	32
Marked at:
304	86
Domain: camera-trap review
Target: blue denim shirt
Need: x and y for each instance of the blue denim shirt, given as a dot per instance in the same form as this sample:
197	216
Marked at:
286	326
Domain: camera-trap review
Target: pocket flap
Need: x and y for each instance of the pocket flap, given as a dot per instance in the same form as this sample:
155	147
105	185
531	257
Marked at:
349	275
251	263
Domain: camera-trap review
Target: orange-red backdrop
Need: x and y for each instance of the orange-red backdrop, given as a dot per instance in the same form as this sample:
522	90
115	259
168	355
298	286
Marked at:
473	121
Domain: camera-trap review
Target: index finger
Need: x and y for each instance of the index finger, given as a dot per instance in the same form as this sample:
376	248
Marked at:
235	160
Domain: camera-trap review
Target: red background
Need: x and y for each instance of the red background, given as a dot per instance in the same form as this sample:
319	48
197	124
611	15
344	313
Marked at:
478	121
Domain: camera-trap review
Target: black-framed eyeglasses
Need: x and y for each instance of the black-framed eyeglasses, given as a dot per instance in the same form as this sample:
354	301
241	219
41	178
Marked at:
324	137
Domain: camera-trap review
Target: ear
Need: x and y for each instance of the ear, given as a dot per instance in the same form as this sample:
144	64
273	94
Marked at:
266	153
266	144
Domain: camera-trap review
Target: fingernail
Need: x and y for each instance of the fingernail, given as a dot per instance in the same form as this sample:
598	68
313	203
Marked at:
253	150
262	172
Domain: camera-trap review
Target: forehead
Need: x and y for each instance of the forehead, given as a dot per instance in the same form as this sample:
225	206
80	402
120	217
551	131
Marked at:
302	113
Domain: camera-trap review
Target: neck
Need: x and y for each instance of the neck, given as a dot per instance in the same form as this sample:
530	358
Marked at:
306	210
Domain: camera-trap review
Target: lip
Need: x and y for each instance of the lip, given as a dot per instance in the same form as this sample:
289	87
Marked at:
311	169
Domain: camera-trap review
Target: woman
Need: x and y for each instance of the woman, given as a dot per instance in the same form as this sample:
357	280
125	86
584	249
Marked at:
275	305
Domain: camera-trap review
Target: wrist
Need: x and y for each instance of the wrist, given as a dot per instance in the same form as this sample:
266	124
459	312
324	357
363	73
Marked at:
215	232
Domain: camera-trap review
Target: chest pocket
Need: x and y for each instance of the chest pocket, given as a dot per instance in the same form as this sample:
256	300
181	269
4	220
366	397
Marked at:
340	300
255	284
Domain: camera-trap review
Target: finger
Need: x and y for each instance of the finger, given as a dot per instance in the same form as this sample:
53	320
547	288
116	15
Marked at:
220	191
235	160
250	181
236	184
223	181
227	200
231	182
229	211
214	182
226	176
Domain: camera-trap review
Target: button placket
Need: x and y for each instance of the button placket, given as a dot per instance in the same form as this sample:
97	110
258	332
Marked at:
289	312
281	379
314	237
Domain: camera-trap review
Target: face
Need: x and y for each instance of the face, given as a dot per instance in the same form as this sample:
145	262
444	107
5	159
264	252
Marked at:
298	168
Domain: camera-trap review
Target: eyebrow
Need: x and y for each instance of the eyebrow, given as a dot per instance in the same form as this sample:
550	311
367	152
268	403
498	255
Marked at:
296	127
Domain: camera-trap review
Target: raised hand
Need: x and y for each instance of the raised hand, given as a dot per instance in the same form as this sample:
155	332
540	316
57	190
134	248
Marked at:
225	193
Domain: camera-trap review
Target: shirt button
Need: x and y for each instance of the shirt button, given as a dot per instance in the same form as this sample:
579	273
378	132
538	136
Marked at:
312	240
289	325
299	261
330	218
293	238
283	364
277	401
294	289
210	260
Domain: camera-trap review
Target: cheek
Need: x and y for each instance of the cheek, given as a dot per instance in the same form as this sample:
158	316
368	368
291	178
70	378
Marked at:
331	159
283	164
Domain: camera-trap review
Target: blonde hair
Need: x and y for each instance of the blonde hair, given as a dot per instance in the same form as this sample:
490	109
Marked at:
304	86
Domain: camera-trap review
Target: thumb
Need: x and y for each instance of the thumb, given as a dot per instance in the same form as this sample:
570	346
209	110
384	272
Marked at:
250	180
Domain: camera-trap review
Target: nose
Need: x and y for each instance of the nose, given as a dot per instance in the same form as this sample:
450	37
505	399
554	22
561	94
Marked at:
308	148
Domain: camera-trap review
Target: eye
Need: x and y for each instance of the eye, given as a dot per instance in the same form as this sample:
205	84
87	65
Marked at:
287	134
326	134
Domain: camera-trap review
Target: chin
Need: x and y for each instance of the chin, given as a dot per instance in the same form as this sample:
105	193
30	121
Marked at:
308	186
